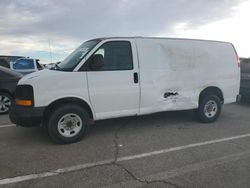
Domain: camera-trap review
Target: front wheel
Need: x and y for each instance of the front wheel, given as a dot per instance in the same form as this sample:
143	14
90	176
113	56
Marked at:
209	109
5	102
68	124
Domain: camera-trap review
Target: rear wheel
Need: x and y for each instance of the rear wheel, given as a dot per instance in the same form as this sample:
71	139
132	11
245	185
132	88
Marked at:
5	102
68	124
209	109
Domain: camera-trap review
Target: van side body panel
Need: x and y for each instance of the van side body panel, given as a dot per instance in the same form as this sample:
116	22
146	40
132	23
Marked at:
113	93
220	67
173	72
50	86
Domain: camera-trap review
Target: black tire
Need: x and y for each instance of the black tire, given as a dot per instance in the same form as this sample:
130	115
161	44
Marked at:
57	114
3	97
209	117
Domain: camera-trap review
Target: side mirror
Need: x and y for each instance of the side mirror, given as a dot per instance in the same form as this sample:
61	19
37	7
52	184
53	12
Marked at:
97	62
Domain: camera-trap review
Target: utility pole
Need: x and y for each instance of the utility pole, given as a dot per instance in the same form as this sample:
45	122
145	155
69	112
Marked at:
50	50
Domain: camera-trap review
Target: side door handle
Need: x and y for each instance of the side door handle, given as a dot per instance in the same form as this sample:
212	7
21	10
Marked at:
136	78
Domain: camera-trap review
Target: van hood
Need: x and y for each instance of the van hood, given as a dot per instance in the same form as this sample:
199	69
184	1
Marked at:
43	74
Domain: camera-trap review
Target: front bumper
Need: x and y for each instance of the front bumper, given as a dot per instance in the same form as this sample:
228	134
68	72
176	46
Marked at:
26	116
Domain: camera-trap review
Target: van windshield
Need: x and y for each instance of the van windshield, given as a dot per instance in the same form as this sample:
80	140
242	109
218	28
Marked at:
70	62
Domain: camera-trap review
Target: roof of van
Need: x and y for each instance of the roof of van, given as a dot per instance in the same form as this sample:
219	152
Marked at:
140	37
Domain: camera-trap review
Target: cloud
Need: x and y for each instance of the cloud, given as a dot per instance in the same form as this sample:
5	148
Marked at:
77	20
83	19
232	29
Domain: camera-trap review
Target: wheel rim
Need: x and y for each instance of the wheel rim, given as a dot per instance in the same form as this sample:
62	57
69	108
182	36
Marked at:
5	103
69	125
210	109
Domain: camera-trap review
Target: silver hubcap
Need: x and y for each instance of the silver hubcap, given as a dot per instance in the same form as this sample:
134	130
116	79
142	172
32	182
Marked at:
210	109
69	125
5	103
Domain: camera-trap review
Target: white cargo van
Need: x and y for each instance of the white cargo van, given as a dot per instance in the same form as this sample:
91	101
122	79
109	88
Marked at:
116	77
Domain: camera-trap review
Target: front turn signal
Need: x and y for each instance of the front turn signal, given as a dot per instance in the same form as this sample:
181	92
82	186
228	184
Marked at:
24	102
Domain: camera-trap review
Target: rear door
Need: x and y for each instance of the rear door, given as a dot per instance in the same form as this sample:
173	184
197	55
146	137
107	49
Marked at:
114	88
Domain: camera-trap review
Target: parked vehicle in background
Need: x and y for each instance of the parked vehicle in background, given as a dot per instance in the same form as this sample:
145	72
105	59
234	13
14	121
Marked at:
49	65
245	78
116	77
8	82
52	66
26	65
20	64
9	59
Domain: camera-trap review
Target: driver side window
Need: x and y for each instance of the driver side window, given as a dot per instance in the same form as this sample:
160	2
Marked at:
117	55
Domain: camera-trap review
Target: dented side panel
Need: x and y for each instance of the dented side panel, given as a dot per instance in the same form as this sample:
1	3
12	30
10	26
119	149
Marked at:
174	72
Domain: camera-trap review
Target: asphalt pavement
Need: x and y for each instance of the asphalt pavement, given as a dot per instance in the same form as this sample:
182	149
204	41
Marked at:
169	149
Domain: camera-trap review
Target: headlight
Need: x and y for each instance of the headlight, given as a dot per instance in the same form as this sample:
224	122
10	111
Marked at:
24	95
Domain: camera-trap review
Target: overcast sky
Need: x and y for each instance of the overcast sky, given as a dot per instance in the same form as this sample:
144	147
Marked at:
36	27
